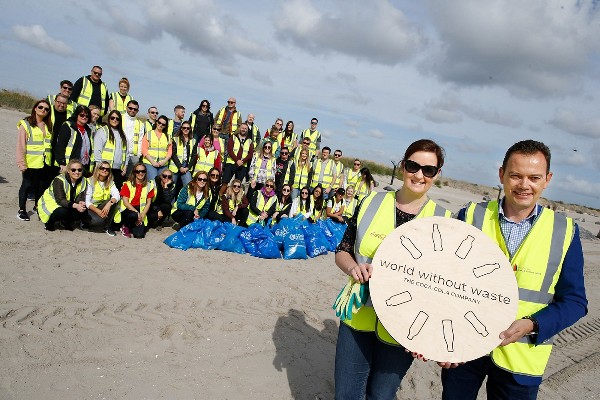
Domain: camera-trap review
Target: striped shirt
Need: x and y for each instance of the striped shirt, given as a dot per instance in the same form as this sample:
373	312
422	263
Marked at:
515	232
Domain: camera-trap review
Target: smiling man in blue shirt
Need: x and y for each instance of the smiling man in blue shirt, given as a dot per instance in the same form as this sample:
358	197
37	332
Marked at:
545	251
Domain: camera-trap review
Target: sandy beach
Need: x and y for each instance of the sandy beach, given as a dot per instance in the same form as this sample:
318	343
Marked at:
88	316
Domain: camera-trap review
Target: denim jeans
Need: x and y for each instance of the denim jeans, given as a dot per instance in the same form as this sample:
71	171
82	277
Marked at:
185	178
366	367
463	382
153	172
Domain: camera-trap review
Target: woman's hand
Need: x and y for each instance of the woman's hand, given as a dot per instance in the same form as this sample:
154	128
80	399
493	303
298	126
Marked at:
196	215
253	184
140	219
79	206
233	221
361	272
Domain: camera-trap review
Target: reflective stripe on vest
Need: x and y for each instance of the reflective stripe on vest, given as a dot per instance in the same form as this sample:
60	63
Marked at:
191	200
47	203
361	189
313	136
235	116
542	255
301	176
288	142
376	219
352	178
327	173
236	147
180	149
118	103
69	148
206	161
269	167
157	147
100	193
108	152
86	94
262	205
143	200
35	146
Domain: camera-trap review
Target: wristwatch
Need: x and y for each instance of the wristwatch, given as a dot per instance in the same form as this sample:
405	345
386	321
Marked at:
536	327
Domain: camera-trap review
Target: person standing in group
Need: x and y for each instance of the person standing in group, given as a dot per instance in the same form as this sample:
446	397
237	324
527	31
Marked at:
91	90
353	175
136	201
253	130
202	121
545	249
94	122
229	118
262	168
289	138
110	145
302	168
134	131
365	185
157	148
193	201
314	135
175	123
240	151
285	170
118	100
219	143
66	87
262	204
185	154
368	362
323	172
208	156
340	179
304	145
101	199
58	116
150	123
33	136
74	140
64	200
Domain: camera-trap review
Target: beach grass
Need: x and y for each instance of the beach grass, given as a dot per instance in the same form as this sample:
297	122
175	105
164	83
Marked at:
16	100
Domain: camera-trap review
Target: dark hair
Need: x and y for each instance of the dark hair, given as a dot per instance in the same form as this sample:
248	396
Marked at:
288	134
326	148
306	203
78	110
217	185
166	127
314	119
134	102
428	146
47	119
207	103
179	134
341	152
280	195
67	82
340	191
179	107
61	95
528	147
132	174
97	66
319	200
367	173
119	128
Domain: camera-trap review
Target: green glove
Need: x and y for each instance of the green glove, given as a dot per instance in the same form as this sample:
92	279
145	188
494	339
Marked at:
350	299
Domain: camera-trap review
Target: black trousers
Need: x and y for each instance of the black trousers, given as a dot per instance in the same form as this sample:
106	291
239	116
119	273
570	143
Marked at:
31	182
231	170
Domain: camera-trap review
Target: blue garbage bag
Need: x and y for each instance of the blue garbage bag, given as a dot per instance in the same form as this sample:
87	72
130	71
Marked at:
316	243
327	234
282	229
294	246
216	237
206	228
259	242
338	229
231	242
183	238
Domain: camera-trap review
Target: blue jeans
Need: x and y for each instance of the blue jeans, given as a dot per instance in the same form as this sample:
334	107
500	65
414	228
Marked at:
185	178
365	366
463	382
153	172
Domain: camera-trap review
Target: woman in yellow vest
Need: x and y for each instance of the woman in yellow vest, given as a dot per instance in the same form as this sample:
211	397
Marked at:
365	185
64	200
262	204
118	100
137	195
336	205
234	204
303	166
157	148
289	138
193	201
94	123
369	363
208	156
33	133
185	154
319	205
353	174
110	145
350	203
101	198
262	167
302	204
284	203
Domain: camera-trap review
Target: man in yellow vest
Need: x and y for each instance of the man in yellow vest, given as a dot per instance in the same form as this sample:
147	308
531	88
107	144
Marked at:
323	172
66	87
229	118
545	251
134	129
240	150
253	130
314	135
91	90
151	120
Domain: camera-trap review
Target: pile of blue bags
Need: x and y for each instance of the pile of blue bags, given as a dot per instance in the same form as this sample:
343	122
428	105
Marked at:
291	238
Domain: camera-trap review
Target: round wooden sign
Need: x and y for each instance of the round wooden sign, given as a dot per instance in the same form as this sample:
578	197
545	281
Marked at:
444	289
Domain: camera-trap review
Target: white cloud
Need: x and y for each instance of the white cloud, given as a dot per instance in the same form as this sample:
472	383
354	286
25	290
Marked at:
570	122
36	36
376	31
376	133
576	185
532	48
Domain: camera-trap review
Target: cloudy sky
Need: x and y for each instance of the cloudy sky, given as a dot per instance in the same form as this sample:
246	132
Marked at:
476	76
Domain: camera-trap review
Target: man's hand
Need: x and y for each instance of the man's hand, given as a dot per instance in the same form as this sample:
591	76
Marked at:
516	331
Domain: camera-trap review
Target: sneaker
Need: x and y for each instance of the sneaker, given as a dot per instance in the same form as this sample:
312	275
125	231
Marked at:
125	232
22	215
110	232
49	228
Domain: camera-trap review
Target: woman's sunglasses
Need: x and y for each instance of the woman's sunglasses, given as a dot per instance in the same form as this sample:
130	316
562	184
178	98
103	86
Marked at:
428	170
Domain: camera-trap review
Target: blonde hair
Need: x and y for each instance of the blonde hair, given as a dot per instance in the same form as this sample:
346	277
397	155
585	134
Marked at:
96	174
237	198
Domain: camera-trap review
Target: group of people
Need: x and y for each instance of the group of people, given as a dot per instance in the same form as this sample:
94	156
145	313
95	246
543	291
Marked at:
289	174
206	166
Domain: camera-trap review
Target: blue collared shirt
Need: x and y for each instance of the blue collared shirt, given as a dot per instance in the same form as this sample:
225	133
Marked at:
515	232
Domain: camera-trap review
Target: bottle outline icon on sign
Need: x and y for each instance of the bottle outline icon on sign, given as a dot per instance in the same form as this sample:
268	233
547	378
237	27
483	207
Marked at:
448	333
476	323
436	236
397	299
465	247
417	325
485	269
410	247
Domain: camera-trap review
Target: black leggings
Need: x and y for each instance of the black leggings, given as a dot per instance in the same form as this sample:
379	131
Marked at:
32	182
67	216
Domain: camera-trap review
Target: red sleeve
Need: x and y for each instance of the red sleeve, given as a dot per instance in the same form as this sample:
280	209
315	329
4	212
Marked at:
124	191
152	194
266	134
218	162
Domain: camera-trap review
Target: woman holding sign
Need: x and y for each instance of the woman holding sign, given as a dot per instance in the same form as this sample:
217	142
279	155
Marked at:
368	361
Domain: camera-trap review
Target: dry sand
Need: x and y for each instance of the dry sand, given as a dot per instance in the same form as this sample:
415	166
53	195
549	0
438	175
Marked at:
88	316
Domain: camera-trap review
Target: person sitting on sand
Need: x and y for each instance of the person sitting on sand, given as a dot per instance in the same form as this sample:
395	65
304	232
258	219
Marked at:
234	204
101	198
136	200
302	204
193	201
335	206
262	204
284	203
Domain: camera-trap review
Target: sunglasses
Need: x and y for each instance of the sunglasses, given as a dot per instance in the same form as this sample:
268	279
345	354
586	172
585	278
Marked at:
104	168
267	147
269	185
97	73
132	108
202	179
140	171
153	112
67	87
337	155
214	175
357	164
428	170
167	176
237	186
185	128
161	123
204	105
40	107
285	190
313	123
231	102
306	143
82	115
306	193
76	169
115	118
284	153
